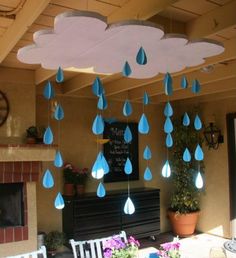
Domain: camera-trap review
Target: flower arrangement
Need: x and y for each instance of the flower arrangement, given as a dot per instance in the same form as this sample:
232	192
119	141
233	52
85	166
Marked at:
117	248
73	175
170	250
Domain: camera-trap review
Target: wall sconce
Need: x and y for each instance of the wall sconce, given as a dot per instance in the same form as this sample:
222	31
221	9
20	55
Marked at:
213	136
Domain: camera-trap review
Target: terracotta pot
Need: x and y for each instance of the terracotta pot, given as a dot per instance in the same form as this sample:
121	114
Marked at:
69	189
30	140
183	225
80	189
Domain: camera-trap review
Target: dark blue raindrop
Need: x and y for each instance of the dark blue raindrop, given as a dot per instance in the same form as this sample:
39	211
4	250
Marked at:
97	87
168	84
186	119
184	82
168	111
48	91
127	135
146	99
196	86
126	69
59	112
127	108
141	57
59	75
169	141
102	102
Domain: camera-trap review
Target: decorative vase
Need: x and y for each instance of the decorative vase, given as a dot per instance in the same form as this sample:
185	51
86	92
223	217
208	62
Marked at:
69	189
80	189
183	225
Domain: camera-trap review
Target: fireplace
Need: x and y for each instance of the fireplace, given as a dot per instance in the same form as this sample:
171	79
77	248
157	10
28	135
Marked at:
11	205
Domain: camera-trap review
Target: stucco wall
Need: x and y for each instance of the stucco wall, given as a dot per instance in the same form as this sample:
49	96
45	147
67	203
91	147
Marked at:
78	146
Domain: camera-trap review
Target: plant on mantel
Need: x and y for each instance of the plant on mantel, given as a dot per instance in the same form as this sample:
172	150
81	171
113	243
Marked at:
185	198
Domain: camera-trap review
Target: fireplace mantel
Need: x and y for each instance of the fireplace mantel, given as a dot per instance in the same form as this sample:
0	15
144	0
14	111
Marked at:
26	152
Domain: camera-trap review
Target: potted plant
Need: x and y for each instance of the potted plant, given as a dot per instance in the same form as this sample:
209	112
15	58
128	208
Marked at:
185	200
31	134
53	240
81	176
69	177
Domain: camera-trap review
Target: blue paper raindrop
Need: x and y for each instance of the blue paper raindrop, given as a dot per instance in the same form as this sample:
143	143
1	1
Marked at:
198	154
146	99
141	57
128	167
186	155
97	87
48	181
196	86
126	69
127	135
184	82
58	161
104	164
143	125
59	75
166	171
169	141
102	102
147	174
127	108
168	111
147	154
168	126
59	202
101	191
48	91
186	119
199	181
168	84
129	207
48	136
197	123
59	113
98	125
97	169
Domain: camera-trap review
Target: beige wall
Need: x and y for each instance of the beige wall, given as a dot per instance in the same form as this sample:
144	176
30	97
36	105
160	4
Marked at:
78	146
215	208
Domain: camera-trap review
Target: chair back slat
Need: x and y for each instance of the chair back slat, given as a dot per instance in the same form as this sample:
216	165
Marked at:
92	248
42	251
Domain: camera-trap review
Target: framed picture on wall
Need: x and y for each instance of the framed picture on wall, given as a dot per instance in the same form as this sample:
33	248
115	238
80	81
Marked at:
117	150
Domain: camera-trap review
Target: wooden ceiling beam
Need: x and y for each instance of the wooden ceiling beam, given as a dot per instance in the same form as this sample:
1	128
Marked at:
26	16
17	76
42	75
212	22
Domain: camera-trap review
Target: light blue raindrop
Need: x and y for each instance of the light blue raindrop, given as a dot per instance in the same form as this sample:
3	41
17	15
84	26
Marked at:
168	84
196	86
169	140
102	102
143	125
184	82
141	57
168	126
199	181
127	108
48	91
101	191
186	119
48	181
146	99
59	113
48	136
127	135
168	111
147	174
59	202
58	161
197	123
110	120
97	169
98	125
166	171
186	155
147	154
104	164
59	75
128	167
97	87
129	207
126	69
198	154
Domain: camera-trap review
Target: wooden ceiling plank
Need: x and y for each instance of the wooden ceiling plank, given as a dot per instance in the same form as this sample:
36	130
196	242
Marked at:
212	22
42	75
220	72
26	16
17	75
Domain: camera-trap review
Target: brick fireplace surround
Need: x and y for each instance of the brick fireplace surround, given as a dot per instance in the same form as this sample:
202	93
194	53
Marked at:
16	172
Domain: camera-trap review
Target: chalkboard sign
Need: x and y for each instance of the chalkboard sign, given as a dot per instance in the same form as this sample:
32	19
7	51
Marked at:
117	150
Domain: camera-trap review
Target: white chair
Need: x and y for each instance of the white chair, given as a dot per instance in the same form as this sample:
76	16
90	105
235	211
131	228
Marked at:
92	248
41	253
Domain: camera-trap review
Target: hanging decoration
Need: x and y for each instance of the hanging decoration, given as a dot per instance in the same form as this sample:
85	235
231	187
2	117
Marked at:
184	83
186	119
199	181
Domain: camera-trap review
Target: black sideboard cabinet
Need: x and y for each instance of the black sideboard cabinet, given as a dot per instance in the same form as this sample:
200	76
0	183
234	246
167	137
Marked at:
90	217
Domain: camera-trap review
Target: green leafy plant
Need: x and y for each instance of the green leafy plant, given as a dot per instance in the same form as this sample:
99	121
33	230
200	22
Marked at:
54	240
32	132
185	197
75	175
68	174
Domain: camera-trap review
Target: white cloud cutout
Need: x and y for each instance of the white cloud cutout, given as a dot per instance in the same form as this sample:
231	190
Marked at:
84	40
